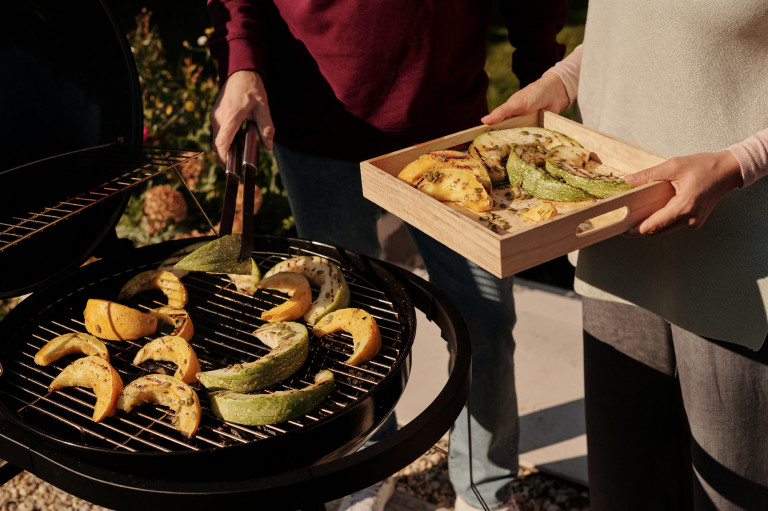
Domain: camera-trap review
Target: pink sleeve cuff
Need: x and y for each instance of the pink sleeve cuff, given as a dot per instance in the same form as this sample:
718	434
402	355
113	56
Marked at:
752	155
568	70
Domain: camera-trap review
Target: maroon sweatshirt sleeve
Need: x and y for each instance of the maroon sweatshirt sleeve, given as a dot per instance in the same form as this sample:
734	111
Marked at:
239	36
533	26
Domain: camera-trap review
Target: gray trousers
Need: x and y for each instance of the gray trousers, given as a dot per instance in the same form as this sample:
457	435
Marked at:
674	420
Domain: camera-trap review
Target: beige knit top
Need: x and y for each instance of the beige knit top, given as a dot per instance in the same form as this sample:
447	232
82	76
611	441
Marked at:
676	78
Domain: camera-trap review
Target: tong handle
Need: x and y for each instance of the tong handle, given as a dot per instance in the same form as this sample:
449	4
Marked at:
250	167
252	145
235	156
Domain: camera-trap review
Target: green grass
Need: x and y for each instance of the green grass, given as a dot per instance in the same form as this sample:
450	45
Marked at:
498	66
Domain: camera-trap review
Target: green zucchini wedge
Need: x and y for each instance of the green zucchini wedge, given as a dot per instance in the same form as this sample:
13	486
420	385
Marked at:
290	346
271	408
493	147
577	167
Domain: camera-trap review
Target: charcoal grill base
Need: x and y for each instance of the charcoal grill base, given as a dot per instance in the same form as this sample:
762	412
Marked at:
301	488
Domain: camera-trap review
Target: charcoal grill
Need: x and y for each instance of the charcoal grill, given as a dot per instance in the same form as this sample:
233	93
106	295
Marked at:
131	461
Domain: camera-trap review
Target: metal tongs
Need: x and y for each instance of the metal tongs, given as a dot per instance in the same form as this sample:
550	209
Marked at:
242	158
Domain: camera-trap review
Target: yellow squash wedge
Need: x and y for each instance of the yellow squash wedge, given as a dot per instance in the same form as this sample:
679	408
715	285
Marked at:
166	391
334	291
296	286
179	320
162	280
172	348
117	322
446	159
69	343
97	374
366	338
451	185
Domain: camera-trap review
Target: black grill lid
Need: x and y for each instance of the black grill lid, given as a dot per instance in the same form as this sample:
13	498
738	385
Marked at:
68	84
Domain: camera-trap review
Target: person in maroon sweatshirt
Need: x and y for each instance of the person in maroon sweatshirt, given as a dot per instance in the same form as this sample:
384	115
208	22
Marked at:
333	82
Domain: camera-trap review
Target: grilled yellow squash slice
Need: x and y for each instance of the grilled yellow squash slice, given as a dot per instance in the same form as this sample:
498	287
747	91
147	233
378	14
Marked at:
69	343
166	391
162	280
172	348
117	322
446	159
178	319
319	271
451	185
366	337
97	374
296	286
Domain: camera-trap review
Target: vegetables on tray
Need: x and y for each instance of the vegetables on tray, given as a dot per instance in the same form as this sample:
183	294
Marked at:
163	280
171	348
580	168
454	185
296	286
448	159
97	374
290	345
271	408
493	147
319	271
366	337
116	322
166	391
68	344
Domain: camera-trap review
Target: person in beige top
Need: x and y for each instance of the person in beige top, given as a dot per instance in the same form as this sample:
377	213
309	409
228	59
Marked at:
675	312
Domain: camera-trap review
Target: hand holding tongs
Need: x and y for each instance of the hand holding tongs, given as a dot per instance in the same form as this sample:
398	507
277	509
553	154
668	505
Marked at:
243	156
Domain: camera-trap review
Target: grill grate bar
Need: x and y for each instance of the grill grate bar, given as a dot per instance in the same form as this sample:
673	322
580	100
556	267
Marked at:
153	162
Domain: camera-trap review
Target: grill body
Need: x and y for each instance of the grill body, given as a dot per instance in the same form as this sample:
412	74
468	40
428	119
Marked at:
146	442
296	465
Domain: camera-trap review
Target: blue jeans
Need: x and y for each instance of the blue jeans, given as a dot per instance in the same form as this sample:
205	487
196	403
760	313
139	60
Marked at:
326	199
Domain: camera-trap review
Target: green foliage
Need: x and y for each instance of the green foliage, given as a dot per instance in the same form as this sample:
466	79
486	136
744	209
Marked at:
177	98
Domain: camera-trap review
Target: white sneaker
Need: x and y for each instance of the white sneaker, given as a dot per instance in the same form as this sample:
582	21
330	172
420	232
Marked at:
461	505
373	498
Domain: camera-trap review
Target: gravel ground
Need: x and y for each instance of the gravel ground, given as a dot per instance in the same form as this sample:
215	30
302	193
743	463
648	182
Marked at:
426	479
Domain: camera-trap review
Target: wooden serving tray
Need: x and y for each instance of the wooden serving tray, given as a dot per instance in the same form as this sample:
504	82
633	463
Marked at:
521	244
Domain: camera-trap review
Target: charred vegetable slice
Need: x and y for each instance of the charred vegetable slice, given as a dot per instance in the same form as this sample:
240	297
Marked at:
97	374
290	345
166	391
366	338
117	322
279	406
539	183
577	167
178	319
297	287
221	255
540	212
69	343
453	185
493	147
172	348
445	159
334	291
165	281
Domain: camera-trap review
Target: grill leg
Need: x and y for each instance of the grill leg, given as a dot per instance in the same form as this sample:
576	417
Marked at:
8	472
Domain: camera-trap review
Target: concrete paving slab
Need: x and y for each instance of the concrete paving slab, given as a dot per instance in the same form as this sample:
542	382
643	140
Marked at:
549	370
